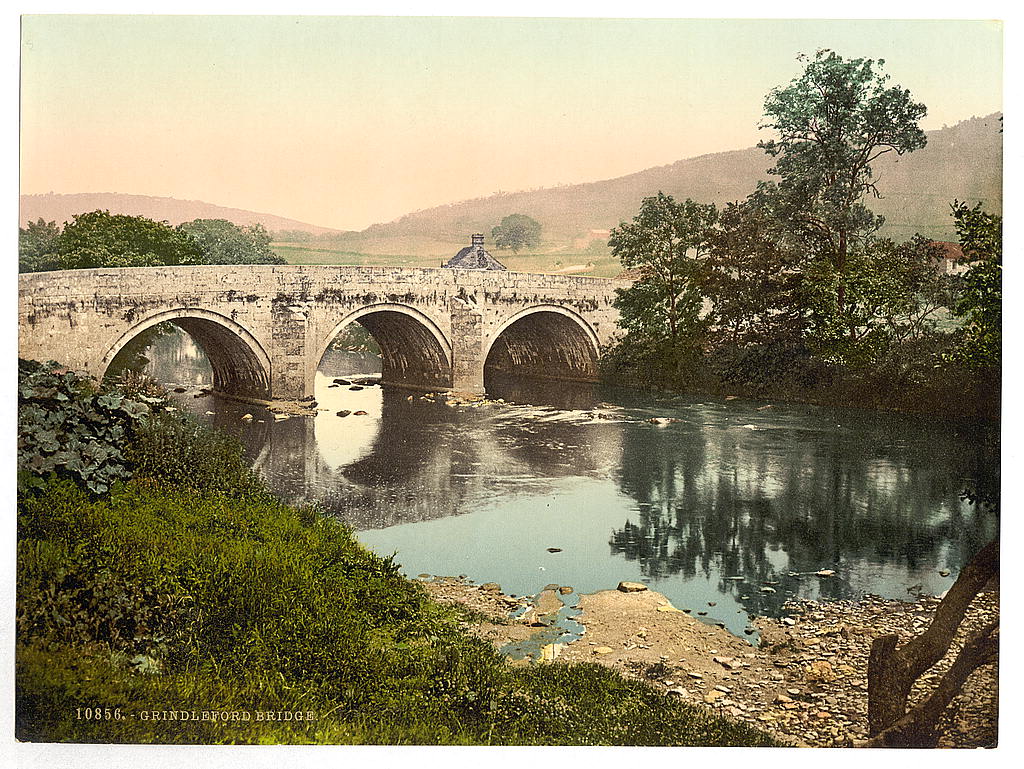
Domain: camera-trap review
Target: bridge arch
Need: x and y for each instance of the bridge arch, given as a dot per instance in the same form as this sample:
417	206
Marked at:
545	341
240	364
414	351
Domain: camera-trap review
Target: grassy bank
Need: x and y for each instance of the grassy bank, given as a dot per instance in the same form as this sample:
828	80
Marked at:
911	384
184	603
434	254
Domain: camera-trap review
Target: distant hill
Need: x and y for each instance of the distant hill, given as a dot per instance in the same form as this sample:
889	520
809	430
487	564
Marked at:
61	208
960	162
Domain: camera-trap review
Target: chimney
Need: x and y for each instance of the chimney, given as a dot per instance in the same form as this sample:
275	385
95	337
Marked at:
478	241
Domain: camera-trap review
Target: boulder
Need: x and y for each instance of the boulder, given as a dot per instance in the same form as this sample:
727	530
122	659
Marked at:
631	587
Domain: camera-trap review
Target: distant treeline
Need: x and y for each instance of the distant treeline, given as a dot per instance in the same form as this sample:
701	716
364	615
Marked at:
102	239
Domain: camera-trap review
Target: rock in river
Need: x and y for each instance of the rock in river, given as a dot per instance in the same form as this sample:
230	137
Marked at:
631	587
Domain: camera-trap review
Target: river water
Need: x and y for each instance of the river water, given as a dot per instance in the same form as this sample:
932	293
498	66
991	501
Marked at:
728	507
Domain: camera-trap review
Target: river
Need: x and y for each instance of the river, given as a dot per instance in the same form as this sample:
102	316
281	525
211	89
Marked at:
728	507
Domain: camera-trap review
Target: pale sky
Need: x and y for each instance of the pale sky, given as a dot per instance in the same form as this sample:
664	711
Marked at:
347	121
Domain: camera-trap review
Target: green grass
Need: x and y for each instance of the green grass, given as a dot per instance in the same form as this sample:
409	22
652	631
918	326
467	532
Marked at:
432	254
192	589
318	254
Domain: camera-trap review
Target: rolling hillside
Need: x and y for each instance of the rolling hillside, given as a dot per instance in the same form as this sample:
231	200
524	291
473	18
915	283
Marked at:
61	208
960	162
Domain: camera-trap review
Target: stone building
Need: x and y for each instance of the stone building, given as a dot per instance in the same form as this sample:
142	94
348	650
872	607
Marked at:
951	260
474	257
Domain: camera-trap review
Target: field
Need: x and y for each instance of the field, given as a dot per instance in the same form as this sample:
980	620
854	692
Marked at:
424	253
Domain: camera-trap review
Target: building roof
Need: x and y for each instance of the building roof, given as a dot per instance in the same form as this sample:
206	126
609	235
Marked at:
474	257
951	251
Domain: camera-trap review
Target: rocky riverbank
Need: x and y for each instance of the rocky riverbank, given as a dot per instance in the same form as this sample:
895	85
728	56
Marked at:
806	683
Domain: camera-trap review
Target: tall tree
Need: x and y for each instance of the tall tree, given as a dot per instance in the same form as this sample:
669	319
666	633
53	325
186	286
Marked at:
223	242
756	287
102	239
515	232
666	244
896	293
833	122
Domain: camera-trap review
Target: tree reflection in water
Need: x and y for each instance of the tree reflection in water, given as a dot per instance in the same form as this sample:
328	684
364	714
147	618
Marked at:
720	500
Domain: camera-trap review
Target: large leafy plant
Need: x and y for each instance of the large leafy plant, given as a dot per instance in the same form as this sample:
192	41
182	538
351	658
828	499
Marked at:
69	427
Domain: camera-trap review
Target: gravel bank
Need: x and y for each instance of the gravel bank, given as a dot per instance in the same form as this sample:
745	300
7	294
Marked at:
806	683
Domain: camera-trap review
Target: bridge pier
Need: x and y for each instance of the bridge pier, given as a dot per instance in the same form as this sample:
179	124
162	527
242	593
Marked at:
467	347
291	377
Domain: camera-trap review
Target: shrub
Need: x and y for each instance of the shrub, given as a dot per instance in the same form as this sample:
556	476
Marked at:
768	364
175	449
69	427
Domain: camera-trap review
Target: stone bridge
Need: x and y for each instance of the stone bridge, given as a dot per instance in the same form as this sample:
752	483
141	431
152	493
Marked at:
265	328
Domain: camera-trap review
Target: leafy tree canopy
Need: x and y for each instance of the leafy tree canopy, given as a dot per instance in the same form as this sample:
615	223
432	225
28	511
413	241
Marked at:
516	231
979	343
102	239
665	243
756	277
833	122
894	294
223	242
36	245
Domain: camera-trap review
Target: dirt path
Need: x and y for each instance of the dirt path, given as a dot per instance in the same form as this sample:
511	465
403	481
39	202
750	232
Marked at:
806	682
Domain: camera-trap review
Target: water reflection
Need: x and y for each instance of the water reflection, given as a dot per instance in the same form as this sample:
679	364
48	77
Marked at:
761	508
735	504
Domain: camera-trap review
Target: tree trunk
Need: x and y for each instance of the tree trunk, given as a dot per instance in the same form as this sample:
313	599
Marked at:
892	671
887	688
916	729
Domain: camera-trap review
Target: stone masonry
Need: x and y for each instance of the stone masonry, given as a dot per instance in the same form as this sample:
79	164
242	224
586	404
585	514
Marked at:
265	328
